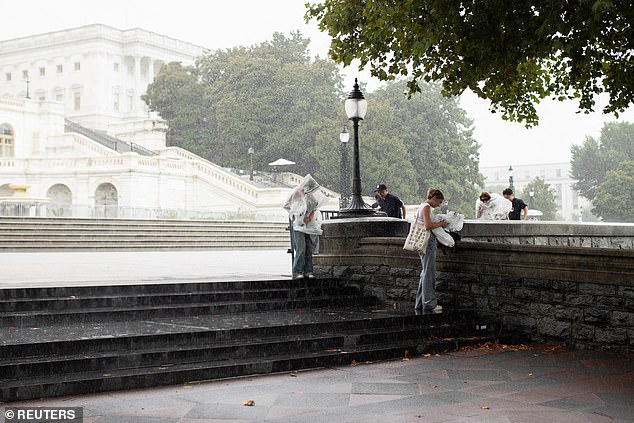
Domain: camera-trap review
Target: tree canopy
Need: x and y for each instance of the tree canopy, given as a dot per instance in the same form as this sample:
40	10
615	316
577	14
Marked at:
513	53
615	195
543	198
593	161
274	98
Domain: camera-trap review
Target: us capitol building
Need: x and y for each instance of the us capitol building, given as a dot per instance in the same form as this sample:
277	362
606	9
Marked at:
77	140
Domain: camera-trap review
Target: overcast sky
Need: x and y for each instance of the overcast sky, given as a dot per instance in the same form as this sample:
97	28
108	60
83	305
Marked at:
222	24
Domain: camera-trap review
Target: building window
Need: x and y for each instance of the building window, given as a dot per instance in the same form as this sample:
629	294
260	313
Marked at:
77	66
42	71
130	102
115	67
6	141
8	76
76	101
558	173
59	97
60	68
25	74
42	98
115	104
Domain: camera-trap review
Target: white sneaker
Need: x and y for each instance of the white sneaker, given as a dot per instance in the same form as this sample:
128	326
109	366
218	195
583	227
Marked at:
310	276
298	276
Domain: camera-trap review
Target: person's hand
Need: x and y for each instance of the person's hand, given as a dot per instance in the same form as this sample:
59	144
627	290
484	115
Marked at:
444	224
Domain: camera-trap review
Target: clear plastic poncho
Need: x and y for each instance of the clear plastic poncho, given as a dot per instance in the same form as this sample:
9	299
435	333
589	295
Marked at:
303	200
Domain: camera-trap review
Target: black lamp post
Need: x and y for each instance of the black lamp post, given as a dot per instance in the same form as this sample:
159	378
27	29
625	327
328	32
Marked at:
511	179
344	170
356	106
250	152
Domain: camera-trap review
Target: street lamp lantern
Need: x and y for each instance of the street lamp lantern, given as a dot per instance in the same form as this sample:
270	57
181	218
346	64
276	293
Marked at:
250	152
511	178
344	136
356	107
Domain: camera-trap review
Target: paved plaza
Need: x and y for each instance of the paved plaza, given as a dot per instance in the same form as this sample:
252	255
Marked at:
485	384
511	386
32	269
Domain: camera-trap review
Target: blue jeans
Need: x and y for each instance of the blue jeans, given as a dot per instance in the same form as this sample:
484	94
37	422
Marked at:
303	261
426	294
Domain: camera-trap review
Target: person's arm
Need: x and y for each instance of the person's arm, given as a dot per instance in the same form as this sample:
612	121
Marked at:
429	225
479	208
403	209
525	213
309	217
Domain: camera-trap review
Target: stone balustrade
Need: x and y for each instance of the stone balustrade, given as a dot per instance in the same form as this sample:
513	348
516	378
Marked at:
565	283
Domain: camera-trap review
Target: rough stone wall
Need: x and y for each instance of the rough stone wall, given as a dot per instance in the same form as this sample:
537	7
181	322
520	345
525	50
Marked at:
569	289
582	314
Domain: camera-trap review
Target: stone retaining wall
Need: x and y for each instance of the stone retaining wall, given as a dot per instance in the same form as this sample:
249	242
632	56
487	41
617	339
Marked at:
580	296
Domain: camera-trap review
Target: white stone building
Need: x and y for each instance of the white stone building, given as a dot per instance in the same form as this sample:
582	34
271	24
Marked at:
110	159
570	204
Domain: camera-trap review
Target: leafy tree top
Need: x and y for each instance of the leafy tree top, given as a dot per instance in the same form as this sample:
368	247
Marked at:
513	53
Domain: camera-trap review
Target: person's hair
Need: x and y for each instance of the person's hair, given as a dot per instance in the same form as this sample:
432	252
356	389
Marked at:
507	191
485	196
435	193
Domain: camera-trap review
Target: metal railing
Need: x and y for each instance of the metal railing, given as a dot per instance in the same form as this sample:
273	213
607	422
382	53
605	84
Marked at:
109	141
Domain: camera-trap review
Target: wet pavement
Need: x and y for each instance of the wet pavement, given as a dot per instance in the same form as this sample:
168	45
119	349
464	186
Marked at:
480	385
490	385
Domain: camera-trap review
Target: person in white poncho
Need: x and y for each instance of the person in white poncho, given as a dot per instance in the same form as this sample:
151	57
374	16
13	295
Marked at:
492	207
303	207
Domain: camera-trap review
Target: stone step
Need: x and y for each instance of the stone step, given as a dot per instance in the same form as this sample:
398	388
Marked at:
29	234
177	373
33	307
157	299
82	339
168	353
189	287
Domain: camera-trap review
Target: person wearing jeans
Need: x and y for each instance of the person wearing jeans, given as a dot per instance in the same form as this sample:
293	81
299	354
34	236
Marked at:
426	295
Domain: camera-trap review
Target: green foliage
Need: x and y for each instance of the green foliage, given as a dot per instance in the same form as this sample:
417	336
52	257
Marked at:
615	195
592	160
273	98
513	53
543	198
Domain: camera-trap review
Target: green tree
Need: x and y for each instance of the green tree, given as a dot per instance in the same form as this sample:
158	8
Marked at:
439	141
176	94
543	198
592	160
513	53
615	195
270	97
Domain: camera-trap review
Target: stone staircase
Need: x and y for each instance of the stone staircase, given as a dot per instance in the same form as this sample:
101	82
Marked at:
68	234
76	340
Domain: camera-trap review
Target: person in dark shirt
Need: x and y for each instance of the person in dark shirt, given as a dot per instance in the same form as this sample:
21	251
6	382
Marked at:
519	206
390	204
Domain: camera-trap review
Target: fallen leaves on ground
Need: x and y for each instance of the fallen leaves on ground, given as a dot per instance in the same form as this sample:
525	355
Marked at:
354	363
249	403
485	407
496	346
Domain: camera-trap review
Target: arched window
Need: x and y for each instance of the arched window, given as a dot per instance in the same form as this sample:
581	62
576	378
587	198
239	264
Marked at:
106	200
7	141
60	201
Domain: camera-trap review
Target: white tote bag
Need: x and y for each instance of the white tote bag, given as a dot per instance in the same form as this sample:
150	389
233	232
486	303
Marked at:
418	237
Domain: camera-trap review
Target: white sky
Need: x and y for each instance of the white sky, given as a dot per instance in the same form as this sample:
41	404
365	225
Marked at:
223	24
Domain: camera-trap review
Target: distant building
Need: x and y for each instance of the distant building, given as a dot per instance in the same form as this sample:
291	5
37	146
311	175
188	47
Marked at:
569	202
76	139
97	72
